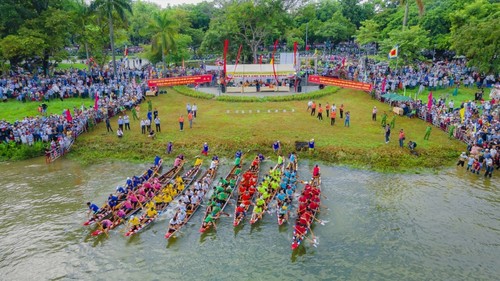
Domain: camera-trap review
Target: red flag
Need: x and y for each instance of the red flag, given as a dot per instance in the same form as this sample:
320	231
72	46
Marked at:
274	69
226	46
383	85
260	60
307	47
295	45
429	101
96	105
343	62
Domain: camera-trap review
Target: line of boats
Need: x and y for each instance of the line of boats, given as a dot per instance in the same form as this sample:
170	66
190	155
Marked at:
143	199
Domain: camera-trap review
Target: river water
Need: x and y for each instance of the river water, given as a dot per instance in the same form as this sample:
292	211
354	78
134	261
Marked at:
443	226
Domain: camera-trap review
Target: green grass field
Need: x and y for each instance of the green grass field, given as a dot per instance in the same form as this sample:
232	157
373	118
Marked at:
360	145
15	110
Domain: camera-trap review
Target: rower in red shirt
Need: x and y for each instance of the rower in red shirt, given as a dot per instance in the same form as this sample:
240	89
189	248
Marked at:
299	229
302	208
252	190
316	171
313	206
245	198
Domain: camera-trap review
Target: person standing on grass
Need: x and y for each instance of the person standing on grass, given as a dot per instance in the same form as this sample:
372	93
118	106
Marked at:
327	110
194	109
341	109
126	121
150	116
309	105
119	133
427	132
188	108
401	138
108	125
333	115
313	109
181	123
150	105
320	112
393	121
134	114
311	145
170	146
155	113
143	126
374	113
120	123
157	123
190	119
347	121
148	124
387	133
384	120
204	151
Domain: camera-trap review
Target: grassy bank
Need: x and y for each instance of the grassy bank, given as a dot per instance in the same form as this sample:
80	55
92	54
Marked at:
15	110
361	145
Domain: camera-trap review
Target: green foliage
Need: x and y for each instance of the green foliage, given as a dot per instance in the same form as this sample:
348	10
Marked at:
369	32
475	33
192	93
13	151
337	28
312	95
411	42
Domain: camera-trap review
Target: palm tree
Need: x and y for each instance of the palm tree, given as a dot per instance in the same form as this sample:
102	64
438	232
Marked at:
163	28
107	7
420	5
82	13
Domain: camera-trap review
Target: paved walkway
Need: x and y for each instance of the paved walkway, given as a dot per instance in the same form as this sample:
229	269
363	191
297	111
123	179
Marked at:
215	91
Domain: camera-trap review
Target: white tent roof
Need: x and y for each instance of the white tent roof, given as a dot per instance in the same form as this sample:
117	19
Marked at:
260	70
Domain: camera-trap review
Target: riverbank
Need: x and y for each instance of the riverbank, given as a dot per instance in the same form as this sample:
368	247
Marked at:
228	126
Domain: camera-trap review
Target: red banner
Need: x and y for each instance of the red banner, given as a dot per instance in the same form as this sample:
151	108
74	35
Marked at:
340	83
181	80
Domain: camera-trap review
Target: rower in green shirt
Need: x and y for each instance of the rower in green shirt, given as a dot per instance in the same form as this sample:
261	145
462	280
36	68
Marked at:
232	182
216	209
222	196
260	201
237	161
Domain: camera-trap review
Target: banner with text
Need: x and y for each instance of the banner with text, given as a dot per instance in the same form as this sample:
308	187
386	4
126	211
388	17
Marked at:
340	83
181	80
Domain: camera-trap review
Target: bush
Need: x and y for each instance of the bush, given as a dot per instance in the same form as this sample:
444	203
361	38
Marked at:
312	95
183	90
13	151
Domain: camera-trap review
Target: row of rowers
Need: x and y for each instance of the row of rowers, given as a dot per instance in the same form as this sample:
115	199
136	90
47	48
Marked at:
220	196
308	206
189	201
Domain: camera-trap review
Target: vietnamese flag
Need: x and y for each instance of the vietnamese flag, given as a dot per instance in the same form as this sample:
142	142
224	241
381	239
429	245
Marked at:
429	101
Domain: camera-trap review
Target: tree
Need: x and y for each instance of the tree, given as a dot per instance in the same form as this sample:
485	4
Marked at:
337	28
368	32
420	5
411	42
107	7
163	27
247	22
475	34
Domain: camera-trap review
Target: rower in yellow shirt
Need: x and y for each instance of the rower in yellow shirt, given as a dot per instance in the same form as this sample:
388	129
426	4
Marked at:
134	222
151	213
198	162
149	205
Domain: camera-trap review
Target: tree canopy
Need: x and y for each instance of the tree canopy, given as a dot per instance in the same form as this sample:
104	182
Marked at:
39	32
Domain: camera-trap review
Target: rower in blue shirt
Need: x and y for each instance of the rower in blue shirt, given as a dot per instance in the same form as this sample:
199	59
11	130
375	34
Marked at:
238	154
93	207
120	189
